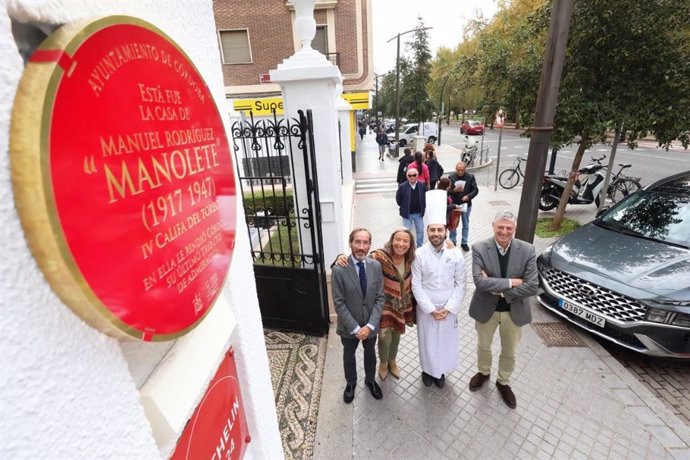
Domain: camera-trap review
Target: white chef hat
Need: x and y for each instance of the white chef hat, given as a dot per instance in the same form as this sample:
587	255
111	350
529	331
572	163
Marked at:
436	205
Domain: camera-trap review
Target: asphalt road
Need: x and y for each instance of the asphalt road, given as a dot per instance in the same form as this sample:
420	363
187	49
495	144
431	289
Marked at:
647	162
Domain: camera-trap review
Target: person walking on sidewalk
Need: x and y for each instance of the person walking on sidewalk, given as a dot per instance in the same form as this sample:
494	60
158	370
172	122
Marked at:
358	301
399	307
505	277
410	199
464	189
382	141
438	284
403	163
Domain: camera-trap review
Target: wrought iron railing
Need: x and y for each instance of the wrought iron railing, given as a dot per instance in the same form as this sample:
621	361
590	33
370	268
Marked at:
265	150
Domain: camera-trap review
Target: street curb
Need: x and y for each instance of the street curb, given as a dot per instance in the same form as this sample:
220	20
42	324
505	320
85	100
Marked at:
480	167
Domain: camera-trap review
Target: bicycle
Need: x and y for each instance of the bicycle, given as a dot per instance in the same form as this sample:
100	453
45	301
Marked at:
511	177
621	185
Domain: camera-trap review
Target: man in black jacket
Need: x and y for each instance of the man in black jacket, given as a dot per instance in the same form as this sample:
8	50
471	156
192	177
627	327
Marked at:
382	141
463	190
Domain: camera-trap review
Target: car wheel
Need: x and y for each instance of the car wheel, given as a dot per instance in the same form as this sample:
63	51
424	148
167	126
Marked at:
431	140
402	142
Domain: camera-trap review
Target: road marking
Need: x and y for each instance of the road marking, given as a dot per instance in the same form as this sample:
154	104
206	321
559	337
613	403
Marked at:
640	154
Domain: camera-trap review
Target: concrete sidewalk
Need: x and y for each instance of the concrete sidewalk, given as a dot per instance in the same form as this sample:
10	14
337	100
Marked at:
573	402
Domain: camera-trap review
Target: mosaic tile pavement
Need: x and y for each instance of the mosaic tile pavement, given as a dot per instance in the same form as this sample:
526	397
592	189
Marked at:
297	363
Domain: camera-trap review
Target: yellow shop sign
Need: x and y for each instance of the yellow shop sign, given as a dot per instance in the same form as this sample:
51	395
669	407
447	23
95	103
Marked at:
358	101
260	107
266	105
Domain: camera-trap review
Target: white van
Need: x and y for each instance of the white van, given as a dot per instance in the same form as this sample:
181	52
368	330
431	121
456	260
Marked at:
408	131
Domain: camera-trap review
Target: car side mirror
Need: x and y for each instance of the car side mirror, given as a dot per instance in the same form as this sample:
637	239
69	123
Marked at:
603	210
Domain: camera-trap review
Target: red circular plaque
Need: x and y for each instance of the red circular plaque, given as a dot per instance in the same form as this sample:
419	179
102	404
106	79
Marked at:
135	171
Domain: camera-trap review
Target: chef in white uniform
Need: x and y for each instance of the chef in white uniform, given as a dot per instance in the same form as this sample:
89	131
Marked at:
438	284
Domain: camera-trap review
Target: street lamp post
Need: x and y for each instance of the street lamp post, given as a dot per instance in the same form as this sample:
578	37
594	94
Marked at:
376	100
397	80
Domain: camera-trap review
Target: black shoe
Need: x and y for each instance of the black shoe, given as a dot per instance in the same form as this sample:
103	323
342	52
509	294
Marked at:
375	389
427	379
465	247
349	393
440	382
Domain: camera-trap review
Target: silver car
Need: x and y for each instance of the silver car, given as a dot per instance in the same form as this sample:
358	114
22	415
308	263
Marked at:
626	275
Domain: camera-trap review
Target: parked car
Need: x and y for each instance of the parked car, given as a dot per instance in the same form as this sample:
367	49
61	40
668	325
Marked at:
626	275
472	127
409	130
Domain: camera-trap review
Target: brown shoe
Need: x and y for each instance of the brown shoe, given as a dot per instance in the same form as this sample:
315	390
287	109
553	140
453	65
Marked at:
507	395
383	371
393	367
477	381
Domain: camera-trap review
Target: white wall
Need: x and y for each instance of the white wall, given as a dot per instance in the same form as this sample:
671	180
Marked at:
65	388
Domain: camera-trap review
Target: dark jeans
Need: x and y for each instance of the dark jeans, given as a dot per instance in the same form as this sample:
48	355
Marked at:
350	362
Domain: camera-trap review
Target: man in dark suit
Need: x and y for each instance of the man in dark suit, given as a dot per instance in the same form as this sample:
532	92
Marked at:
358	300
463	189
505	277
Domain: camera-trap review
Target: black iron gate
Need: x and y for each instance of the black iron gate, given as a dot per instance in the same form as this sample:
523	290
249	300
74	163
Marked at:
283	220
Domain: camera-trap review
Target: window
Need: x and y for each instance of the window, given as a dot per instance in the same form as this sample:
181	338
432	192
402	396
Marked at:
234	45
320	42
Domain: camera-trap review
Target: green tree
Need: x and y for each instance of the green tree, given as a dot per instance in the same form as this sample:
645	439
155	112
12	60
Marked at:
510	51
414	99
626	65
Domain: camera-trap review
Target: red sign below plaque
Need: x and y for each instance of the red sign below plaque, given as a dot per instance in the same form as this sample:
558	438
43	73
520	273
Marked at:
134	224
218	429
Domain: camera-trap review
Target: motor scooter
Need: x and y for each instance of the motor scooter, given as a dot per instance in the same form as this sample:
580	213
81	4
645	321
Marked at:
393	150
585	191
469	151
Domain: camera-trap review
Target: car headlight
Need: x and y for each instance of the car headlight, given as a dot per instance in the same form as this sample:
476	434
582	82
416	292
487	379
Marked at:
681	319
656	315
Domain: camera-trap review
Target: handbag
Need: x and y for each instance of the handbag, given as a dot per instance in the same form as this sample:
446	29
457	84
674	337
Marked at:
454	220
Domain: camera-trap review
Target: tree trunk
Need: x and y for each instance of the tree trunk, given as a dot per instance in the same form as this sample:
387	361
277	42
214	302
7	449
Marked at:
560	213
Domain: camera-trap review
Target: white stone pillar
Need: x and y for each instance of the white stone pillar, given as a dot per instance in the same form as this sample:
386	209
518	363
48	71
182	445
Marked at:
308	81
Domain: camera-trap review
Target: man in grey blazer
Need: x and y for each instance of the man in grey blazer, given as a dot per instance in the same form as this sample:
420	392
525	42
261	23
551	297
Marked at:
358	300
505	277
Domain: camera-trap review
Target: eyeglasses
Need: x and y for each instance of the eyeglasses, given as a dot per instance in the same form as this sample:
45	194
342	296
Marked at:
411	175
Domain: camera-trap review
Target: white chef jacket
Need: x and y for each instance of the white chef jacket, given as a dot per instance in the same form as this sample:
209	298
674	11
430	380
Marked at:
438	281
